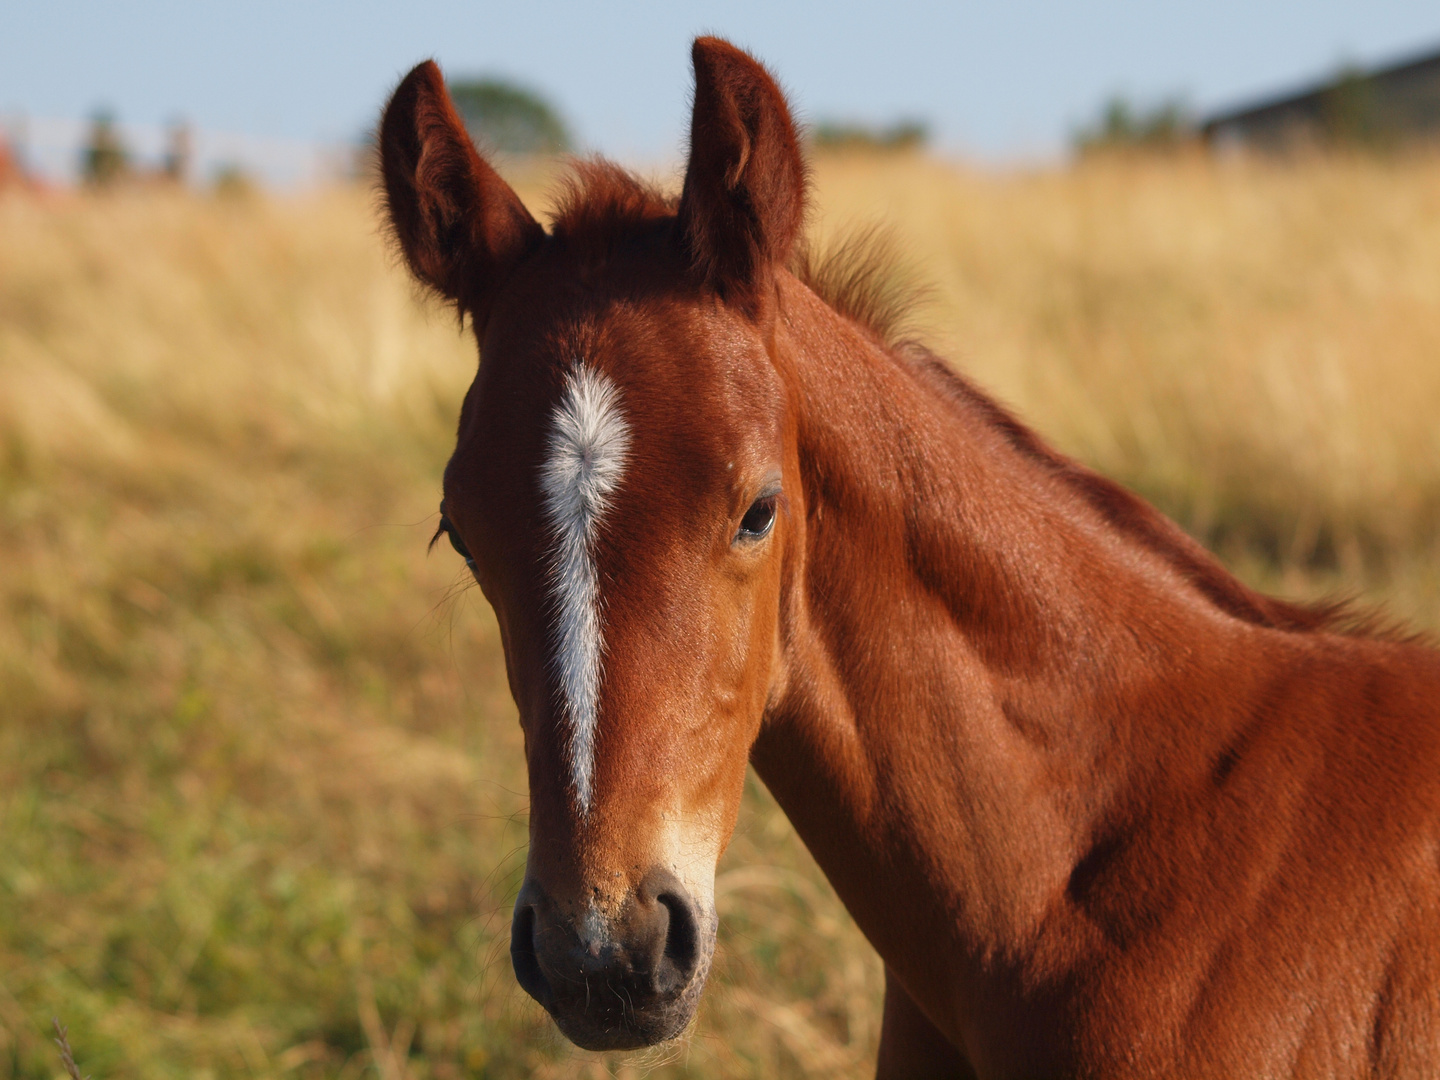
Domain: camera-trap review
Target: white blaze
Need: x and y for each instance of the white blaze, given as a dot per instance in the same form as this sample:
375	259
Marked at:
589	440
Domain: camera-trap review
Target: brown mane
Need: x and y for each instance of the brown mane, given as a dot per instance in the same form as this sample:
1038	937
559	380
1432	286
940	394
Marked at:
601	205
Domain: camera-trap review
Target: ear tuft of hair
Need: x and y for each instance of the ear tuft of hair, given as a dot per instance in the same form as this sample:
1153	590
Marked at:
742	206
462	229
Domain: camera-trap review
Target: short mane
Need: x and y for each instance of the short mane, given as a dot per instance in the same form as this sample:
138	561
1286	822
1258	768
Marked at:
860	275
601	205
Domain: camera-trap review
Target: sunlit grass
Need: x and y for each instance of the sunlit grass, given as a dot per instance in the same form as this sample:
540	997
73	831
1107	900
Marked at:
262	795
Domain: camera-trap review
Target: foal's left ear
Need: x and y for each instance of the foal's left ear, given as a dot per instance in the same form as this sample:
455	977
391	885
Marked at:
462	228
743	202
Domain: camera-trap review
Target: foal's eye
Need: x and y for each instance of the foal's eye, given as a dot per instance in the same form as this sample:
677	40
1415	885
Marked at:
448	528
758	520
457	543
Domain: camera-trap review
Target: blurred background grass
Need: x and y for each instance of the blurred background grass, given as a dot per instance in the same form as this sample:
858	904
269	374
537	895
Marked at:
262	792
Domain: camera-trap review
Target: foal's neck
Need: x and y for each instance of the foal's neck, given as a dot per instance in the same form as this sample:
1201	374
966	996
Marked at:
978	668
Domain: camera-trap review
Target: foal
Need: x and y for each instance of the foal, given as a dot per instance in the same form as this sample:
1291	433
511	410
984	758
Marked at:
1102	809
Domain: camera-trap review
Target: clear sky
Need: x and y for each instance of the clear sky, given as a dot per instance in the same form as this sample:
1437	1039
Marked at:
997	81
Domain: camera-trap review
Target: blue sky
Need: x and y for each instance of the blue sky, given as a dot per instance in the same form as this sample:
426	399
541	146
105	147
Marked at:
997	81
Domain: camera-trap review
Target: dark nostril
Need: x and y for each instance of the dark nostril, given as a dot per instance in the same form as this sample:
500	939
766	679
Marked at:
522	957
682	938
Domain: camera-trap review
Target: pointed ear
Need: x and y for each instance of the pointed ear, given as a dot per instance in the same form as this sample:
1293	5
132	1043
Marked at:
743	203
463	229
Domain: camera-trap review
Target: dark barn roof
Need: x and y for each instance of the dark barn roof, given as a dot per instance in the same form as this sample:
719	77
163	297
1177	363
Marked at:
1400	102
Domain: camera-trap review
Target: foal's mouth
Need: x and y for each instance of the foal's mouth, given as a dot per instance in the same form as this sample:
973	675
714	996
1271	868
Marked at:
612	1020
622	983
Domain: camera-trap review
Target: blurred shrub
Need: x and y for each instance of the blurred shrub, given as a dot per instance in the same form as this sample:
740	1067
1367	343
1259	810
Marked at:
509	118
179	152
1123	125
908	134
232	181
105	158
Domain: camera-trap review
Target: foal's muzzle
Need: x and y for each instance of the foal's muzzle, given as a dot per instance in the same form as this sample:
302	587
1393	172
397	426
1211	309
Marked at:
619	983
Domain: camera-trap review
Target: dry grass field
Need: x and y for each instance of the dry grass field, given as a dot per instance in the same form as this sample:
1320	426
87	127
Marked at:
261	785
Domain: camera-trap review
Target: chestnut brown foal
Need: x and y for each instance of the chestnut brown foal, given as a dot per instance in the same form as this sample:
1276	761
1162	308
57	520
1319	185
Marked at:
1103	810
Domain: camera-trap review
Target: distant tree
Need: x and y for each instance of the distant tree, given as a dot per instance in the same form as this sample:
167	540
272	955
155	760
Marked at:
1126	126
509	118
105	158
232	181
179	150
902	135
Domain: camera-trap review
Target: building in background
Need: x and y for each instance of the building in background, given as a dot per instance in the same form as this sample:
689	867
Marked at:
1383	107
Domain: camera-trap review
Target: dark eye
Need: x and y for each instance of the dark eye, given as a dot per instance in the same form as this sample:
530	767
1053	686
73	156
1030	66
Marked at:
448	529
758	520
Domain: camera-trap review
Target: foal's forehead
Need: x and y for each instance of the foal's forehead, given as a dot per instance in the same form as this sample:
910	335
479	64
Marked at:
688	377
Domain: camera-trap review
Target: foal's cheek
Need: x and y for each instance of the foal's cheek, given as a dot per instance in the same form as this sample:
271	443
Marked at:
740	669
730	667
736	671
761	640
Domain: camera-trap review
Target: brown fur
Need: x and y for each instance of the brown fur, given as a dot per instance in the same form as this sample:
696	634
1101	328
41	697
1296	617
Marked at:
1102	809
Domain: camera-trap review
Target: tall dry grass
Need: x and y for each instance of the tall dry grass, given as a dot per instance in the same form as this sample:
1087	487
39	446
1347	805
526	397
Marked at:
261	785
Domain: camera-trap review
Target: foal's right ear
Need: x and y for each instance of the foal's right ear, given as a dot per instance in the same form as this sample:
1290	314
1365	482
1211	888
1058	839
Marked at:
743	202
462	228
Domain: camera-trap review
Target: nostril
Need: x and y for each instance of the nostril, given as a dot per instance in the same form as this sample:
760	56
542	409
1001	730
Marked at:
522	957
682	936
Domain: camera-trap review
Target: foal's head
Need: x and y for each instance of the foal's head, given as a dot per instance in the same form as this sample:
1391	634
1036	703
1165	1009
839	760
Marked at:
624	485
